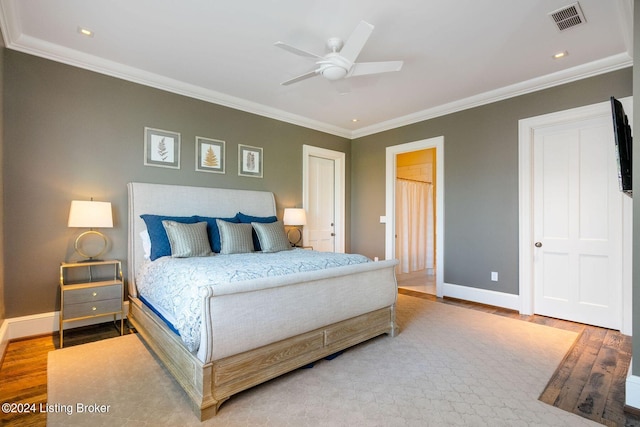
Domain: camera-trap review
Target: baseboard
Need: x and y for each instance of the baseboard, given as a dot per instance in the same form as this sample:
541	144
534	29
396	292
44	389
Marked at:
632	392
482	296
4	339
46	323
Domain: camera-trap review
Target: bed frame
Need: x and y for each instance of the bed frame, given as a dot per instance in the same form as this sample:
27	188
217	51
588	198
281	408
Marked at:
207	379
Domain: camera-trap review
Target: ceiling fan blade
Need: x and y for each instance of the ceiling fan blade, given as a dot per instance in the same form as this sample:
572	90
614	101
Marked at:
300	78
363	68
353	46
295	50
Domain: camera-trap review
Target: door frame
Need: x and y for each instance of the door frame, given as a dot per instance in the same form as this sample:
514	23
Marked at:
390	201
338	159
526	133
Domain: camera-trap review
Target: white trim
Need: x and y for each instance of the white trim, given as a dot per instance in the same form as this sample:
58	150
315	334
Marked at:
482	296
526	130
338	158
45	323
601	66
4	338
632	390
390	200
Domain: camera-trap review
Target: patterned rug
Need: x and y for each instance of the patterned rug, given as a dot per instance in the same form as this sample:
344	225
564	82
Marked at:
448	366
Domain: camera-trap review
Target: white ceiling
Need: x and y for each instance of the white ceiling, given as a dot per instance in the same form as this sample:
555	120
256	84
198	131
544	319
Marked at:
457	54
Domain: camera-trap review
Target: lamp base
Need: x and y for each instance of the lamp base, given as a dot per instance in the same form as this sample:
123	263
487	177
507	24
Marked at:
97	249
295	236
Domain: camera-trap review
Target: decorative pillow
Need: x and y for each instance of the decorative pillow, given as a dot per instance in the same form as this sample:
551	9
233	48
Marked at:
214	232
235	238
272	236
187	240
261	219
159	241
146	243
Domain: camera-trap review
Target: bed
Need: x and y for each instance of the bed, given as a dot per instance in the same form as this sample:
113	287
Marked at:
253	330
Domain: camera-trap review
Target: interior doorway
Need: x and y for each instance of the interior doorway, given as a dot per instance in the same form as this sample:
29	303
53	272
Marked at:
555	279
323	196
402	161
415	220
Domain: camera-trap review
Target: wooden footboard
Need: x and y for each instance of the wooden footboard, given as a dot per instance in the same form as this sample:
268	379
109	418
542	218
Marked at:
209	385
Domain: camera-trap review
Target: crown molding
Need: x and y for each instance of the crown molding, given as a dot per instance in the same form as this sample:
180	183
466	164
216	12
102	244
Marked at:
15	40
43	49
602	66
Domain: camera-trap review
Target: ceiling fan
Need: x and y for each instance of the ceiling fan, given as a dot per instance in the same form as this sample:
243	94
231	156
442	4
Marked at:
340	62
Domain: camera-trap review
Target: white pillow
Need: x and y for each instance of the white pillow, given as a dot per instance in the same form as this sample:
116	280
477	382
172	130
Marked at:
146	243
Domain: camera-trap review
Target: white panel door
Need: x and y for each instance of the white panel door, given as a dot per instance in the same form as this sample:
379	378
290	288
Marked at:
577	220
321	210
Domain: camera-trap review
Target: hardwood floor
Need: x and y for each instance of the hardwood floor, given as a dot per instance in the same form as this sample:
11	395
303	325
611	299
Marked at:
23	375
589	382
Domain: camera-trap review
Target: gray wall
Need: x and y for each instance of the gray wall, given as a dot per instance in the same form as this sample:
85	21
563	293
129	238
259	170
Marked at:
74	134
481	179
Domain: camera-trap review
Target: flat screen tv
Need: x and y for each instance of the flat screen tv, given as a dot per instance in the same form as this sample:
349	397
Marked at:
624	145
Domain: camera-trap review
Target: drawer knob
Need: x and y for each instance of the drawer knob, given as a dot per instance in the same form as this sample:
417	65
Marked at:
95	294
93	308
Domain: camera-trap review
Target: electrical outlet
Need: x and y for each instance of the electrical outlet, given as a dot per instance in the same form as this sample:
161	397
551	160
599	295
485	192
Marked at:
494	276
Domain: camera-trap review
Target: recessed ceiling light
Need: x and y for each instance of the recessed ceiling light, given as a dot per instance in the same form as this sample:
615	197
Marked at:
560	55
354	120
85	31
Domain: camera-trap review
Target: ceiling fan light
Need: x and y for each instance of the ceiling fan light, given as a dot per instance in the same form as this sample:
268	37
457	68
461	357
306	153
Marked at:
334	72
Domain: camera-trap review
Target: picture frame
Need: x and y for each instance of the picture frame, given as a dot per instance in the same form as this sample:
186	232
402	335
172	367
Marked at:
161	148
210	155
250	161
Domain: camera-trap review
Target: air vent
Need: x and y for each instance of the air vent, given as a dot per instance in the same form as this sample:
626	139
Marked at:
568	17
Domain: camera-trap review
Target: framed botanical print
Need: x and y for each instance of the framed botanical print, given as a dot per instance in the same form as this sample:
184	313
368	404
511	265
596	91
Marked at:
161	148
250	161
210	155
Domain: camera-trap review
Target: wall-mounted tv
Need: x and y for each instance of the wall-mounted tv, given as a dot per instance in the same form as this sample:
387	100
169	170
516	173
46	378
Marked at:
624	145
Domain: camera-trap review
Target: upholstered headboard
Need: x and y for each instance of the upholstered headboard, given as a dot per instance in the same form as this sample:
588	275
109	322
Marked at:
178	200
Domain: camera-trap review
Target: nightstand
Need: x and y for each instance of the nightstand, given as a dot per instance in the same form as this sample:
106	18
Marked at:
90	289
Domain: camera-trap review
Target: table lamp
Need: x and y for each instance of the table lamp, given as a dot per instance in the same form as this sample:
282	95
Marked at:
90	214
295	218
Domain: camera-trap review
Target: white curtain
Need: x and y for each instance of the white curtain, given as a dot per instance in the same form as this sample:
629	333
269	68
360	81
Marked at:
414	225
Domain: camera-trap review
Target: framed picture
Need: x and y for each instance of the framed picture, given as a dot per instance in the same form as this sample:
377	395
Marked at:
161	148
210	155
249	161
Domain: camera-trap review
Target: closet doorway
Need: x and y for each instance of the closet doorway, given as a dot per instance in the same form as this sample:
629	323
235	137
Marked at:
414	213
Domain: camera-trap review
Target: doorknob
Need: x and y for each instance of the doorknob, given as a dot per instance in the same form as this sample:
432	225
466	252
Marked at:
538	244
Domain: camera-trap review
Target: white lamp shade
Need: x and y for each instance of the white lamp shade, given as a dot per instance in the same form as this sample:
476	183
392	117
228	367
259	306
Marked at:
90	214
294	216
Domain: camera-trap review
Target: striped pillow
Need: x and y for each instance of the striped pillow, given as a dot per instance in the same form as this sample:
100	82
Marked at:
272	236
187	240
235	238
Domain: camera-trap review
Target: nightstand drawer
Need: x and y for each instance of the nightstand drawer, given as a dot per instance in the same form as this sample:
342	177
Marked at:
98	293
94	308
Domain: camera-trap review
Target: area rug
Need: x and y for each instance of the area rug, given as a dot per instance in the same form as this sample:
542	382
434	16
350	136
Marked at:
448	366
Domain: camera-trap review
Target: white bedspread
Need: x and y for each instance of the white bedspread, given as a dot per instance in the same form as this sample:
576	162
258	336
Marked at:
176	285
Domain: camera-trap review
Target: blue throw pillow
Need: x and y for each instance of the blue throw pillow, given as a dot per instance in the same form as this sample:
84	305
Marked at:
160	245
249	219
214	232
